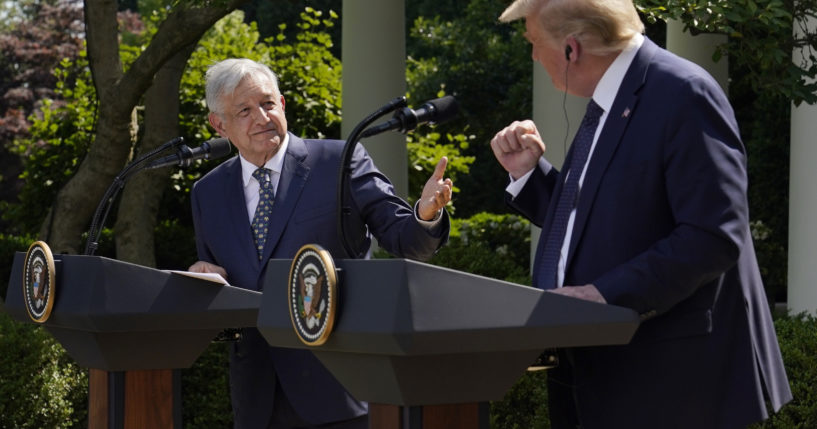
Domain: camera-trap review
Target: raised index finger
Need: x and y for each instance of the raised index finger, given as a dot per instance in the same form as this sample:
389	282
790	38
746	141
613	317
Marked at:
439	170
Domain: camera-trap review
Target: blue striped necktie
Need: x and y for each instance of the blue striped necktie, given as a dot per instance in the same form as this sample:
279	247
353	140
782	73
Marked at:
549	260
260	220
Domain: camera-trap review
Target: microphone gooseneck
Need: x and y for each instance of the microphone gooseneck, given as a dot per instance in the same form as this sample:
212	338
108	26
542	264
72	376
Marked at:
184	156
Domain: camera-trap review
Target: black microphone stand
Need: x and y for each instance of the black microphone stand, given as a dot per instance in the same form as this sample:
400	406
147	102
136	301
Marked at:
345	170
107	200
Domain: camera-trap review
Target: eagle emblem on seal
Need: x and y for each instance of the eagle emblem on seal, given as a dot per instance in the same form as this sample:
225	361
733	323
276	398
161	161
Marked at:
313	295
310	285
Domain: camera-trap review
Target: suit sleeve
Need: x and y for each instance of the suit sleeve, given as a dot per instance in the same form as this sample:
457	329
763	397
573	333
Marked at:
534	198
389	218
705	179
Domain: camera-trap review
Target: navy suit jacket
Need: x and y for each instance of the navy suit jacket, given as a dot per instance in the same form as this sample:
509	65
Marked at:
304	212
662	227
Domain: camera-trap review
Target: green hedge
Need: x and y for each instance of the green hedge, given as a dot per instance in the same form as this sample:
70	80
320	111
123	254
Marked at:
491	245
797	335
40	386
206	390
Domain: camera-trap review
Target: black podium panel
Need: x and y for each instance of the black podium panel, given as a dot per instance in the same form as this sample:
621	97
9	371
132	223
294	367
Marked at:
117	316
409	333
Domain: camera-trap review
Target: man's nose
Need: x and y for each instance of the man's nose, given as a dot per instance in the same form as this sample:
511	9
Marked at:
260	115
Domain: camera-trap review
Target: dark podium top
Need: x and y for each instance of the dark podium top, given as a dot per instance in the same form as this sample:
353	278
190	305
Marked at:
409	333
117	316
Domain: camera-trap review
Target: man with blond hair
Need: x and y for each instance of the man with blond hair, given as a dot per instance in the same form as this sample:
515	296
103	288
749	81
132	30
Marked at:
649	212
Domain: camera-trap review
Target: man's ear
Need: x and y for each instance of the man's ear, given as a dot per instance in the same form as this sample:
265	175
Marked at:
216	122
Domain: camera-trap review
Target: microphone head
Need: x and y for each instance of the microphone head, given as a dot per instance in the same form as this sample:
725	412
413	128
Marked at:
444	108
218	148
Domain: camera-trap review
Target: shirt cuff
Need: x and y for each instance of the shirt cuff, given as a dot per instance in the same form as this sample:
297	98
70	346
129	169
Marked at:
515	187
427	223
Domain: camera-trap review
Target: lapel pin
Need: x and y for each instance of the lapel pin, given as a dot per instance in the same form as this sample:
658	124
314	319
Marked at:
626	113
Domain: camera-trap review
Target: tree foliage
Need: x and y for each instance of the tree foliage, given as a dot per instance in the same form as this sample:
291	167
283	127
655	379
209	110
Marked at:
29	52
35	38
119	91
463	50
58	138
760	39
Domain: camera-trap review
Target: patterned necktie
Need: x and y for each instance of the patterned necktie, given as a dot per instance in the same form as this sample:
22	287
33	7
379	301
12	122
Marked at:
549	261
260	220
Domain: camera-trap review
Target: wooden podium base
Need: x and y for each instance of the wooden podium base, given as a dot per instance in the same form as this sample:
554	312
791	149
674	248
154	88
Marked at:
134	399
473	415
152	399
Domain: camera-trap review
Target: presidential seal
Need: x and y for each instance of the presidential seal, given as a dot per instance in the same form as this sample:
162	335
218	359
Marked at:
38	281
312	294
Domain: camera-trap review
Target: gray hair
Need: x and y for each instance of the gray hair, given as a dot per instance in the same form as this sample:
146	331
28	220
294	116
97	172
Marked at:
224	76
602	26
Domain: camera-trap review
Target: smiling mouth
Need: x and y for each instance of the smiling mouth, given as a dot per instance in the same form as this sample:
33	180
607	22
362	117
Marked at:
270	131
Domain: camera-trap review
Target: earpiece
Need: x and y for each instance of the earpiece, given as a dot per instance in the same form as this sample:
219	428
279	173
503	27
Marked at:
568	51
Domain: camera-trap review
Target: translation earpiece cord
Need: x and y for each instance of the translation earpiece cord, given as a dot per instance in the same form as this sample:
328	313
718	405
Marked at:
564	109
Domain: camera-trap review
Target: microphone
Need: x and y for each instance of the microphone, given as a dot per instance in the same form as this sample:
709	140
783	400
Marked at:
405	120
185	156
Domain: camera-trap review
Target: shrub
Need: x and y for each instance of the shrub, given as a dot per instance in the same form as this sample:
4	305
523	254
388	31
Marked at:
524	406
206	390
40	385
491	245
797	335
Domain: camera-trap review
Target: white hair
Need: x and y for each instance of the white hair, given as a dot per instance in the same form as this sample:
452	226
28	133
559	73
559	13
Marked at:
224	76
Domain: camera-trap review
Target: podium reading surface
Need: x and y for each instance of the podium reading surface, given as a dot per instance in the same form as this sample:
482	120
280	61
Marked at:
117	316
409	333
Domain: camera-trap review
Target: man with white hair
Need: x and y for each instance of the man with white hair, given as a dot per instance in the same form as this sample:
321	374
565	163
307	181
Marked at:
278	194
649	212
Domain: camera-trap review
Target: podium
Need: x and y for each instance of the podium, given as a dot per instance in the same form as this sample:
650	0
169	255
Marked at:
419	336
132	326
426	346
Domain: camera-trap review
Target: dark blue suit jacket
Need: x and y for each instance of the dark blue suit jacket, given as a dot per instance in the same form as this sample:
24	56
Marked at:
304	212
662	227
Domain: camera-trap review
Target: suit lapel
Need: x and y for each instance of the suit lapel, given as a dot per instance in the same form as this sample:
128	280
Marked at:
292	181
624	107
236	208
